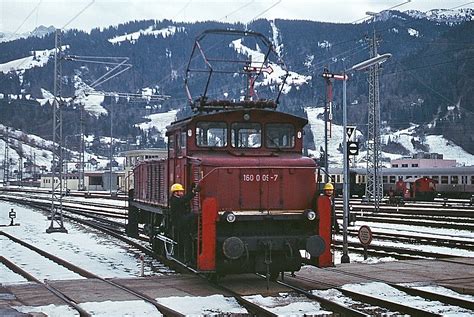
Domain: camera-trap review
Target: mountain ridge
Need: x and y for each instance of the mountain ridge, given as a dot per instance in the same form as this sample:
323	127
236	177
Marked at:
419	46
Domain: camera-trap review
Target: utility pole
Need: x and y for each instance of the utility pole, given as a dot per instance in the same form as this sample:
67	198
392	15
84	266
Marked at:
20	170
346	186
327	119
373	186
81	185
57	224
6	159
111	156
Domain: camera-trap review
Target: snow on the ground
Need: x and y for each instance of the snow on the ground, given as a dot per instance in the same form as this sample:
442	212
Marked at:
384	291
85	247
37	59
39	154
38	150
42	269
417	229
412	230
133	37
107	258
49	310
276	77
129	308
202	305
436	289
359	258
416	247
450	151
8	276
338	297
159	121
413	32
436	143
47	96
281	305
334	140
89	97
276	38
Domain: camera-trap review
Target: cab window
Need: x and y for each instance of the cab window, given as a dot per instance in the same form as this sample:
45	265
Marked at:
246	135
212	134
280	135
181	143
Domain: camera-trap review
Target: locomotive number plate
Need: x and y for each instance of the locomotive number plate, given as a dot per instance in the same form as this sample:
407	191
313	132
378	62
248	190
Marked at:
259	177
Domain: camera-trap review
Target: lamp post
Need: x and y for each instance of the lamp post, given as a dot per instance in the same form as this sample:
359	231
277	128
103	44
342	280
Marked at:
345	220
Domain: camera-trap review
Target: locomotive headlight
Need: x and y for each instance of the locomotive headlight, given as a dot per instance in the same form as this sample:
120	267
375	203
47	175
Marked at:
229	217
310	214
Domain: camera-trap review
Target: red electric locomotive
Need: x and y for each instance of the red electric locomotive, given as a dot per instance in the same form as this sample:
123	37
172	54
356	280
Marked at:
256	209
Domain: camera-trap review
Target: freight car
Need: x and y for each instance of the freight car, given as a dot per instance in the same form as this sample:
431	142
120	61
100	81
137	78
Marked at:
256	210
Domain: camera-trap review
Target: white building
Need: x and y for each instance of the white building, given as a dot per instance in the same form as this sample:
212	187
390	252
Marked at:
423	160
94	181
133	157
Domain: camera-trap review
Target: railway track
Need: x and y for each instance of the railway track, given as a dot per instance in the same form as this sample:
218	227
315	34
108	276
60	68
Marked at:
450	242
114	217
85	194
373	303
419	208
166	311
321	306
439	222
361	305
245	301
106	213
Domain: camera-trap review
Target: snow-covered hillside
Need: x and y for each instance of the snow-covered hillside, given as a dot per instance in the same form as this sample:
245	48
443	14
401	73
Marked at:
133	37
444	15
159	121
36	59
276	74
39	151
436	143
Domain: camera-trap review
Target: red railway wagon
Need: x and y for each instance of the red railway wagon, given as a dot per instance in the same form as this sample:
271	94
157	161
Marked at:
423	188
256	210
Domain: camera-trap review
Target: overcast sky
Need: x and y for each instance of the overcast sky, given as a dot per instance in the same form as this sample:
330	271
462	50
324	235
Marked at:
21	16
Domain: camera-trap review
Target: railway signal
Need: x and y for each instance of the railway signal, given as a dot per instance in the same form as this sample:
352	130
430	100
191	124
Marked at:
353	148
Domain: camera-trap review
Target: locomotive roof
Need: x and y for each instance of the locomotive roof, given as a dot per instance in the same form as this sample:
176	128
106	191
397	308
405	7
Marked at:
220	116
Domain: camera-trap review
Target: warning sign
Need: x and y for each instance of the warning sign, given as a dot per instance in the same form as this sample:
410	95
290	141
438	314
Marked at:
350	131
365	235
